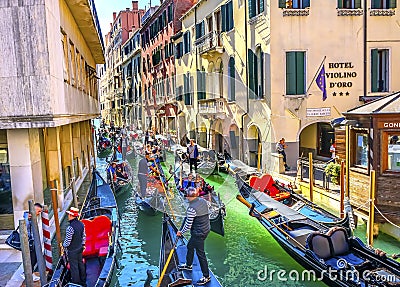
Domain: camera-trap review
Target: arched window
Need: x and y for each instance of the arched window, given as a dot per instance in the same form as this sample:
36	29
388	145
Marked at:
231	79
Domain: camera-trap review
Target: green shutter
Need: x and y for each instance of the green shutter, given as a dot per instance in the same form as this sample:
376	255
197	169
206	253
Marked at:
252	76
261	92
200	86
230	15
374	70
357	4
300	71
393	4
232	78
306	4
262	6
376	4
223	16
203	28
198	31
282	3
290	73
340	4
252	8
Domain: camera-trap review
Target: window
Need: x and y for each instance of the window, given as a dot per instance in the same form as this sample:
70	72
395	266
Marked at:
393	151
64	43
78	70
253	76
231	79
349	4
298	4
201	85
170	13
256	7
295	73
73	64
187	89
186	42
260	73
379	70
200	30
179	50
361	150
227	16
383	4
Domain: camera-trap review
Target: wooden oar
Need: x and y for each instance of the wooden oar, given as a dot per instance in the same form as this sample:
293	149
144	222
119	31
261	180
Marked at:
167	262
165	191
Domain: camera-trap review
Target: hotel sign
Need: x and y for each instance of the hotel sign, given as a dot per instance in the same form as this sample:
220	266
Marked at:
319	112
389	125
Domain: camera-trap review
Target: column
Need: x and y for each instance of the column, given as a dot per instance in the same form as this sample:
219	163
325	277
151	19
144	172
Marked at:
53	157
76	143
67	150
25	169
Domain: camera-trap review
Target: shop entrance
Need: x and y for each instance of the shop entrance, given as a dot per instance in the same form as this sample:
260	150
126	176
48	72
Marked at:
6	206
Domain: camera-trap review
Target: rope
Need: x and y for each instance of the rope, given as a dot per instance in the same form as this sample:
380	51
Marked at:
384	217
363	205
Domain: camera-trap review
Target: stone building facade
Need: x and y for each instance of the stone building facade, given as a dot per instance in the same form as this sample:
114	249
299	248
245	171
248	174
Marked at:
48	94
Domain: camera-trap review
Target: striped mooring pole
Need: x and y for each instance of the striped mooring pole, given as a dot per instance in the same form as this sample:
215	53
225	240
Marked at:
47	240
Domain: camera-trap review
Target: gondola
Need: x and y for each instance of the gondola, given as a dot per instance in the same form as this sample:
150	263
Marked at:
287	196
216	206
207	162
328	253
120	184
100	216
104	148
174	277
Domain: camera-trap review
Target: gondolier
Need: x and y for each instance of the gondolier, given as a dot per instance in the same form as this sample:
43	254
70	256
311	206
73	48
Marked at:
142	176
74	245
193	154
124	146
198	222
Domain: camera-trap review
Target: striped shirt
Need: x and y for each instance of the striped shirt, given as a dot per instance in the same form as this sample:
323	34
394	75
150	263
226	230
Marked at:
69	232
190	215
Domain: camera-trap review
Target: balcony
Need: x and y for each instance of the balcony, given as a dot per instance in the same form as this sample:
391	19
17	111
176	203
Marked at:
209	44
213	107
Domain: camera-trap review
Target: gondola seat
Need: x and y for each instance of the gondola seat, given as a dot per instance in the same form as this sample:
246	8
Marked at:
97	232
267	184
334	247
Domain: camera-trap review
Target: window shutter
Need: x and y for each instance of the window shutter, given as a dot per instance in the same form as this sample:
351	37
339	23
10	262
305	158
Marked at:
300	71
374	70
224	18
340	4
393	4
252	8
282	3
230	15
232	79
357	4
290	73
198	31
306	3
262	6
261	84
251	73
203	31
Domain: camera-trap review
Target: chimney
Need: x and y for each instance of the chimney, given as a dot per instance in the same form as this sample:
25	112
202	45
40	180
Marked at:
114	16
128	9
135	5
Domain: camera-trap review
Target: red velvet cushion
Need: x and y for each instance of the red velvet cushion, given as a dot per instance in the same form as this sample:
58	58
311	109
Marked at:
97	234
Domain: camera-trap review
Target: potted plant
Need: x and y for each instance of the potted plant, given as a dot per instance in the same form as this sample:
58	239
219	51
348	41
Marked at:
333	170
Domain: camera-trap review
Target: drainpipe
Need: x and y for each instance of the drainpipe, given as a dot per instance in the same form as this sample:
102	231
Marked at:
197	112
365	47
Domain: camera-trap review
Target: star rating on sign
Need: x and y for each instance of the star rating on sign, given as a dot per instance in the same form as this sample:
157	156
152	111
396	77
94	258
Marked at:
334	94
341	94
347	94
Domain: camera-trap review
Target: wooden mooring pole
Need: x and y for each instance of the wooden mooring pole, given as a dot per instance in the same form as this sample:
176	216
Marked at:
26	253
311	175
259	157
371	219
342	189
54	199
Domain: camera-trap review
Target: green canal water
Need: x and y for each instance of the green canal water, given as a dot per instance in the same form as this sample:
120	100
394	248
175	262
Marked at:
235	259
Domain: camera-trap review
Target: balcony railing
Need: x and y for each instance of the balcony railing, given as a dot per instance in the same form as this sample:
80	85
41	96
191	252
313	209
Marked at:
212	106
208	42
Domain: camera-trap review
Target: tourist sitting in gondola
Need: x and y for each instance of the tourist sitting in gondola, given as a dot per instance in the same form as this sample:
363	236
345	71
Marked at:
187	182
120	174
111	171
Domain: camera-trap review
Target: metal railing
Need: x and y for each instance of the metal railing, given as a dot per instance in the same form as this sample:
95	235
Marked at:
208	41
321	179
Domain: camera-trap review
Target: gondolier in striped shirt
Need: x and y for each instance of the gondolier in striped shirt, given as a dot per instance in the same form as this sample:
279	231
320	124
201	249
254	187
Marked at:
74	244
198	222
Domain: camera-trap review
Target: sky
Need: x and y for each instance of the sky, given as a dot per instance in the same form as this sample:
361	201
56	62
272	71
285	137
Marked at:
105	9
